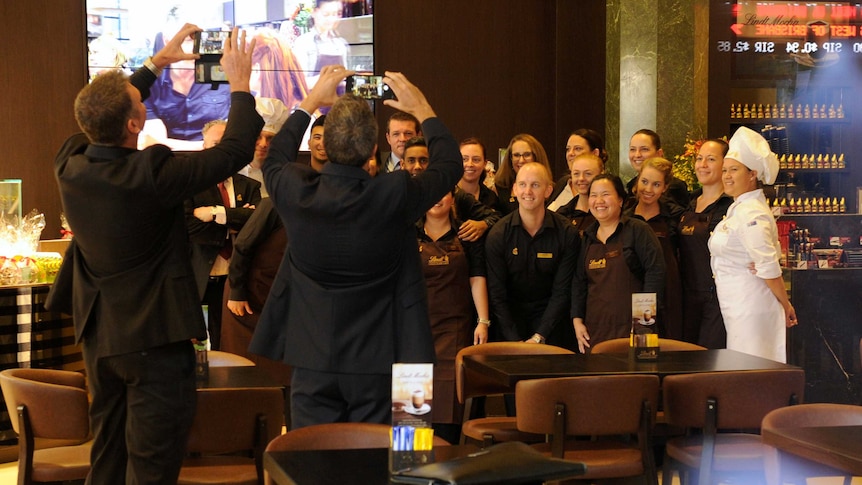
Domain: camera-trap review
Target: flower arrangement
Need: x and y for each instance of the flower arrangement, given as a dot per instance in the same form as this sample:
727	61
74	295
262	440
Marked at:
683	164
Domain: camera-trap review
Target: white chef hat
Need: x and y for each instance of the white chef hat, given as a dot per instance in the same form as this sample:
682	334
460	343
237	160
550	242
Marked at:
273	112
749	148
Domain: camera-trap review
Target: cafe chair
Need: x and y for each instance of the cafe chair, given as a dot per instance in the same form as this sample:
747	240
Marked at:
231	429
469	385
604	422
619	345
49	405
220	358
722	412
782	468
336	436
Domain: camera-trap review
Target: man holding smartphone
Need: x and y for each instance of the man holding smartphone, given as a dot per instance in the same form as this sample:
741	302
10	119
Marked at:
135	304
349	299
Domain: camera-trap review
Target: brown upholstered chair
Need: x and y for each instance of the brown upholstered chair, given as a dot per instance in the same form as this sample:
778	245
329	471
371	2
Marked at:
622	345
49	404
231	429
337	436
786	468
220	358
612	409
713	402
468	386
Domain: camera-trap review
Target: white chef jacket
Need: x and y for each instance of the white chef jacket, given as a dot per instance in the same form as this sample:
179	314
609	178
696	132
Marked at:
753	317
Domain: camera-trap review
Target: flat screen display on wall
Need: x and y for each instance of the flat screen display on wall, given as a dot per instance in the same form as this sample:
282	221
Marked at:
294	39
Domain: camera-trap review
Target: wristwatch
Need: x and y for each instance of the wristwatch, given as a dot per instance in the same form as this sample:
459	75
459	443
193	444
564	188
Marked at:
537	338
214	212
484	321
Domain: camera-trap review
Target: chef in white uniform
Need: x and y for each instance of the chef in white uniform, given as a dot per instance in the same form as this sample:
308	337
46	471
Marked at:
753	299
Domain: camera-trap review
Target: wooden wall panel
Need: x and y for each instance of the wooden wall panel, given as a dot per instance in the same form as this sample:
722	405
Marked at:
43	63
495	68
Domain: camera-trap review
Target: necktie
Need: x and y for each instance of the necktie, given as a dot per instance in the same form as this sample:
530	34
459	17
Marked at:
227	249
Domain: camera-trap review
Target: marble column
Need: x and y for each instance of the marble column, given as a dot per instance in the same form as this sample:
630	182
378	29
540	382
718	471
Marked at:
656	73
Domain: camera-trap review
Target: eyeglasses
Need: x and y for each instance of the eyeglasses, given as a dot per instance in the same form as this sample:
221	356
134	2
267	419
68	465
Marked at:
525	156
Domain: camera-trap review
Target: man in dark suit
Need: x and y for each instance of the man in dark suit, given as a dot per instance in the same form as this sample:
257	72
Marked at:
135	303
400	128
349	299
212	226
213	218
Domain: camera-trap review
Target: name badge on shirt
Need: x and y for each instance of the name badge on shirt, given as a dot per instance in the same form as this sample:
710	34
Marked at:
598	263
438	260
687	230
545	255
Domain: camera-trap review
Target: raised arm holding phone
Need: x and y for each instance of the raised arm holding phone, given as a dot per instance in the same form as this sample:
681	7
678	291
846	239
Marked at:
349	299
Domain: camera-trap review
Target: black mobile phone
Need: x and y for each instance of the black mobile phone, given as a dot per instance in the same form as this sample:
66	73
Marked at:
369	87
210	42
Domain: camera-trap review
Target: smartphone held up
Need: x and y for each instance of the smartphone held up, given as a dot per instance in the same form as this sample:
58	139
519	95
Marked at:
369	87
209	44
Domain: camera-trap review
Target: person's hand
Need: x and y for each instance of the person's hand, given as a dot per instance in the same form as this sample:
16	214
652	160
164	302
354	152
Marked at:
790	316
410	98
236	61
325	90
204	213
752	268
239	308
472	230
480	335
582	334
173	50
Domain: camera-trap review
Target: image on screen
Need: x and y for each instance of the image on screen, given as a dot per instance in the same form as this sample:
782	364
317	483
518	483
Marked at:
293	41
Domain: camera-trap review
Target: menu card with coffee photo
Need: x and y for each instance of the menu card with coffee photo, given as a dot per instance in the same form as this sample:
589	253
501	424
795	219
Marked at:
644	336
412	396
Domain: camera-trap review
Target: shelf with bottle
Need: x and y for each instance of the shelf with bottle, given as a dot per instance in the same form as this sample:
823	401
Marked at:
809	206
822	162
807	113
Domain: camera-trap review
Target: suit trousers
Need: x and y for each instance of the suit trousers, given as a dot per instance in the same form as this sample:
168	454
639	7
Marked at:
142	411
215	307
327	397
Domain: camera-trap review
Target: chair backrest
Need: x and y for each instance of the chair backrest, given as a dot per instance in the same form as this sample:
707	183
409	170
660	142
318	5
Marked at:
56	402
472	385
594	405
618	345
230	420
739	400
220	358
818	414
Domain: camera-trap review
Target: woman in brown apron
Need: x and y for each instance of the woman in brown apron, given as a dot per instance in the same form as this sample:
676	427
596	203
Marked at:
619	256
457	304
702	316
662	215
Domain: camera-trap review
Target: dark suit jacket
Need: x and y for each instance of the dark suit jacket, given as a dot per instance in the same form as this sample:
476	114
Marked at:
207	238
133	284
383	163
350	296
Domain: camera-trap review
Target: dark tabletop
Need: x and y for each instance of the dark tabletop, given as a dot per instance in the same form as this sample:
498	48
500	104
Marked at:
507	370
347	467
238	378
839	447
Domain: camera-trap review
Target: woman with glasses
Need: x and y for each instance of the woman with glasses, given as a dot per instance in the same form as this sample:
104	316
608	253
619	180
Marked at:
703	324
523	149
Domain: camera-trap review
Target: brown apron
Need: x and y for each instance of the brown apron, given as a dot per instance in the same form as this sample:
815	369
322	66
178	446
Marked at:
610	285
670	320
451	311
702	321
